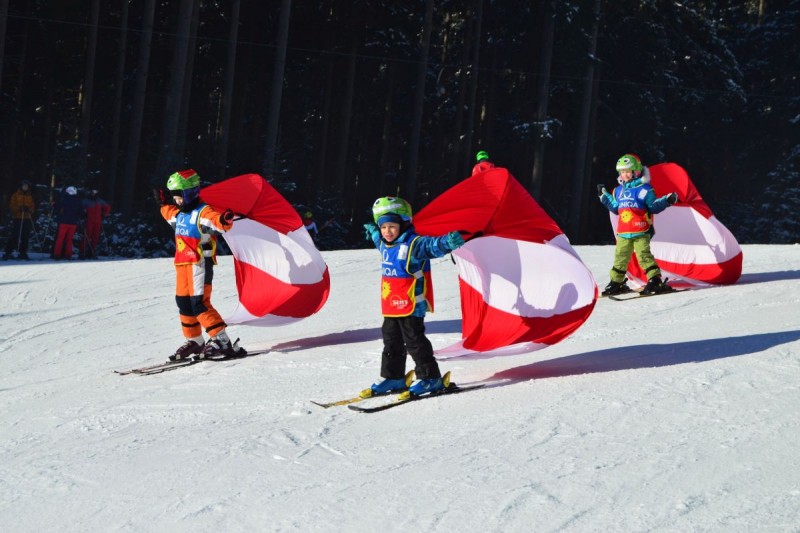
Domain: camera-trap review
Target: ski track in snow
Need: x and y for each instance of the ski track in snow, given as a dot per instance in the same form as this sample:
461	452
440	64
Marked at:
666	414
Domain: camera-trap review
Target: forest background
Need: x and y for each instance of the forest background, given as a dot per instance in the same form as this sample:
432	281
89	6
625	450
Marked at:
338	102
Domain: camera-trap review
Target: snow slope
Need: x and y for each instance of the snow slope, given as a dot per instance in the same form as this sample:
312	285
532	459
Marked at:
675	413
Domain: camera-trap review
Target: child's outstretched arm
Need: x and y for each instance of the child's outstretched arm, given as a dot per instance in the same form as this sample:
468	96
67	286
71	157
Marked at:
214	221
658	205
371	233
607	199
433	247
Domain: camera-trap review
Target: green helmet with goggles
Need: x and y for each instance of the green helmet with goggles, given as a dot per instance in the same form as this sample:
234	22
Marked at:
186	184
629	162
391	205
182	180
481	156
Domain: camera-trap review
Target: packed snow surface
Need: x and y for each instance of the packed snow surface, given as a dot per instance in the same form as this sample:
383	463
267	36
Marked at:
674	413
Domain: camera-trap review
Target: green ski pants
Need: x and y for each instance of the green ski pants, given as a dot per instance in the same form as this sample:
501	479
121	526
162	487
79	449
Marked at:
622	255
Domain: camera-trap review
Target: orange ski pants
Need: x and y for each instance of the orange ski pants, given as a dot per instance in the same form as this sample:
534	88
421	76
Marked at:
193	296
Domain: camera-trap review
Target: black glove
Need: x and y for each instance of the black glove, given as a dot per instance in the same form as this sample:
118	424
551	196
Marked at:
672	198
601	189
227	216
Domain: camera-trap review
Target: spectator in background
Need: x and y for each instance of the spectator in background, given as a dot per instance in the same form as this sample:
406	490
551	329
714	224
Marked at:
483	164
311	226
96	210
68	211
22	207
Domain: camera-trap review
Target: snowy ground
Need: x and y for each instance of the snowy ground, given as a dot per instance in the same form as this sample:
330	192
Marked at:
676	413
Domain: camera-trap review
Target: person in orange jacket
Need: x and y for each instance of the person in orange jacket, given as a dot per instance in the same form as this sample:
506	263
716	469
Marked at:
196	226
22	207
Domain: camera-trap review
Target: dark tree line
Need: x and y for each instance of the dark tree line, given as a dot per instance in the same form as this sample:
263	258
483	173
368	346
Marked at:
338	102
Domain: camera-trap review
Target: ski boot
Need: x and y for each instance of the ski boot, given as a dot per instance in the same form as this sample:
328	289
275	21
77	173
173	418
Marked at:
656	286
426	386
616	287
388	385
188	349
220	347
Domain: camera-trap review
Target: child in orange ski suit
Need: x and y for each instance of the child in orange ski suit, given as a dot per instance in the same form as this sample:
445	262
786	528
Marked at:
197	226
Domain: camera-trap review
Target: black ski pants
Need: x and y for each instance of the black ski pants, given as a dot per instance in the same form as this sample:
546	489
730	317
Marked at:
403	335
18	238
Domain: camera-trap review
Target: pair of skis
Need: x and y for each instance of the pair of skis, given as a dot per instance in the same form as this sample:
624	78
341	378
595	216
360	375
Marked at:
635	295
174	365
450	388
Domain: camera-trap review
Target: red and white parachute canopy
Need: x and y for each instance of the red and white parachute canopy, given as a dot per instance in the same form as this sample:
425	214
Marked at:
280	275
691	246
523	287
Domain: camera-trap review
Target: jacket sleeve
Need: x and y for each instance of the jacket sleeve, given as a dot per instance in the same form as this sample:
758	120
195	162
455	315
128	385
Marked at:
14	206
653	204
211	220
609	202
30	204
169	212
430	247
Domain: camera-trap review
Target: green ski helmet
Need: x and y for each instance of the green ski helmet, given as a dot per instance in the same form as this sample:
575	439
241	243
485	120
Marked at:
182	180
185	183
391	205
629	162
481	156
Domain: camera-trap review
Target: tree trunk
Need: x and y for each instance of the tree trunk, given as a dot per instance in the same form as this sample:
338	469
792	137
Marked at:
9	133
347	119
542	127
88	86
386	131
3	20
460	148
273	119
227	92
580	188
473	89
419	105
186	100
323	175
168	157
118	94
137	114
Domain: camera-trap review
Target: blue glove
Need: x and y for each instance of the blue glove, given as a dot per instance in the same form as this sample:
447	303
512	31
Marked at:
370	230
454	240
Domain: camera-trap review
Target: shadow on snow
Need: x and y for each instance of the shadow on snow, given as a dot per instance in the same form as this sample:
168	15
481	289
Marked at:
645	356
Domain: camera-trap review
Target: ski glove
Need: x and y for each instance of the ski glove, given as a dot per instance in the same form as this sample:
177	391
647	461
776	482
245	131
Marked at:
163	197
227	216
454	240
370	230
672	198
601	189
